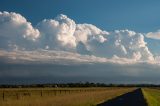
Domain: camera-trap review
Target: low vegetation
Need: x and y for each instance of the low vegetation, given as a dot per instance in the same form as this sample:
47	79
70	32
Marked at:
152	96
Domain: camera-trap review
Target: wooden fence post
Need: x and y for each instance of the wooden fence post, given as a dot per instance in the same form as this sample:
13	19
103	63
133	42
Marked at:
3	95
41	94
55	92
17	95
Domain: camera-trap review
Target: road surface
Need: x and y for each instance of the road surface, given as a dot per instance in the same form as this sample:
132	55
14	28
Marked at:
134	98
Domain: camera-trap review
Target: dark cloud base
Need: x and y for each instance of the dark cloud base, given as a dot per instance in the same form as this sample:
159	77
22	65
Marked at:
52	73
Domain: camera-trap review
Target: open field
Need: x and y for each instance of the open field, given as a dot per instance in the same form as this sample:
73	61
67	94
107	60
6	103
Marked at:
58	96
152	96
89	96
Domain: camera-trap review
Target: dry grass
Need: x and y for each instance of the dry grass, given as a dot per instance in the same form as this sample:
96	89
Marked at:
63	97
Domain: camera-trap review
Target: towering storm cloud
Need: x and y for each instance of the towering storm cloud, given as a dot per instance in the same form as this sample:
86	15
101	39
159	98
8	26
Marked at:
62	41
63	34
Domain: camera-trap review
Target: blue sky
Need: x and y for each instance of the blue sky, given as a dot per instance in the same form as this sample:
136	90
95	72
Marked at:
111	41
137	15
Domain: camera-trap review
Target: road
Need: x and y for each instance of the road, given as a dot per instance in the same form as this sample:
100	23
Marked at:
134	98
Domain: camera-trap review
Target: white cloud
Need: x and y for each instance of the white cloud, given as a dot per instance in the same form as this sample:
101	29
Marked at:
90	37
63	34
127	44
137	55
14	25
122	43
153	35
63	57
16	32
58	33
86	33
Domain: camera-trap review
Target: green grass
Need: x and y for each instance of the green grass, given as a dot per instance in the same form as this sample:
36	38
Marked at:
63	97
152	96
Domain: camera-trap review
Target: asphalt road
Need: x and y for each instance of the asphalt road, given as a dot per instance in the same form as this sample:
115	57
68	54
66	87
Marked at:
134	98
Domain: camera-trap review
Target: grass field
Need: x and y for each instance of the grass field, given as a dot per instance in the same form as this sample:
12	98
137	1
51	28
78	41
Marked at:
152	96
58	96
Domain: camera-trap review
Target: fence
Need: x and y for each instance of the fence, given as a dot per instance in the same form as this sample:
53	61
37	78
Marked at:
18	94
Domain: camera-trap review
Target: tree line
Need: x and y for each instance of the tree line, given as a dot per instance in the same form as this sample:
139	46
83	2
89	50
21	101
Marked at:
80	84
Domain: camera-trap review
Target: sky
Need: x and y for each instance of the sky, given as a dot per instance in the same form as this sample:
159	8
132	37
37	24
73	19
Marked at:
106	41
141	16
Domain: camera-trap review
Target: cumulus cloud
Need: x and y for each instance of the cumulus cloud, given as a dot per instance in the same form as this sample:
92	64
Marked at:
63	34
121	43
153	35
14	29
129	44
90	36
84	50
87	33
15	25
58	33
